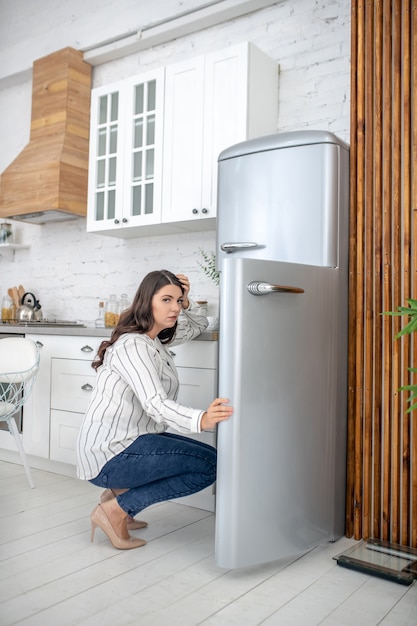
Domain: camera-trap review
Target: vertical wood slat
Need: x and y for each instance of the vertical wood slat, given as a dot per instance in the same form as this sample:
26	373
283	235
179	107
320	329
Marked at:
351	479
397	267
382	437
413	193
387	286
368	272
404	502
358	278
378	273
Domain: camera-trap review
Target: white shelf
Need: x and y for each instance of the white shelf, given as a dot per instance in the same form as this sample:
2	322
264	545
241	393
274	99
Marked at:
14	246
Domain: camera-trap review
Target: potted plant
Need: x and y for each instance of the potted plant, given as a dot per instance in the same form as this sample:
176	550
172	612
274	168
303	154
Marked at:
208	265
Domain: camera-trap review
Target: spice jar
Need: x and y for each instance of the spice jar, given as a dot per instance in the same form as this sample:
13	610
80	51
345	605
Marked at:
111	312
6	233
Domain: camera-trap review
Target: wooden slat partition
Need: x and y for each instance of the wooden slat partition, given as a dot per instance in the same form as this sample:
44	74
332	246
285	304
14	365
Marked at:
382	436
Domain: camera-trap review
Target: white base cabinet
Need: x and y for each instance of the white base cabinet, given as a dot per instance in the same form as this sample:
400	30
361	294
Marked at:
196	363
64	384
72	381
56	407
64	431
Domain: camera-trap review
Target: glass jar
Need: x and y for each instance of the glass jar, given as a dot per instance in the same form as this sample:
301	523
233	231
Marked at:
8	312
202	307
124	303
6	233
99	323
111	312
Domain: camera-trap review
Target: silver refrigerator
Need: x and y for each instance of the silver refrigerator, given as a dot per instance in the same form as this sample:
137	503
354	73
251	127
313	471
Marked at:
282	253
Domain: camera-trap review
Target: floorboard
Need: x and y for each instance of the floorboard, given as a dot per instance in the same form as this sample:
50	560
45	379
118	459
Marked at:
51	572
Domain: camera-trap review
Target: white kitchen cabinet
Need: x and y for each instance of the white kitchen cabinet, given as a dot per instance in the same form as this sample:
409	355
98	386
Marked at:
196	363
64	431
72	381
60	355
55	410
211	103
153	166
126	155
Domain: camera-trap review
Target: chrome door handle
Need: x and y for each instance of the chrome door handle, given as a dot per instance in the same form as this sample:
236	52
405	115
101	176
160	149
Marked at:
86	387
239	245
258	288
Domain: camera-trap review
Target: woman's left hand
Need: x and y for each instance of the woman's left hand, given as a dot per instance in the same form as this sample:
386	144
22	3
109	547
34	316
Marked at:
186	285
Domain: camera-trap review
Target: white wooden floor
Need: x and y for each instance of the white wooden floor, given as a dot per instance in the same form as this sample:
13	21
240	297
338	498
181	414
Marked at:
50	573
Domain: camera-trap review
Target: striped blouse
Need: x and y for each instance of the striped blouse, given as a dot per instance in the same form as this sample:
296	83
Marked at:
135	394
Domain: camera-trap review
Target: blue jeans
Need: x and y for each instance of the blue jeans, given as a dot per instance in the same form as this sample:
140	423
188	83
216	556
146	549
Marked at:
155	468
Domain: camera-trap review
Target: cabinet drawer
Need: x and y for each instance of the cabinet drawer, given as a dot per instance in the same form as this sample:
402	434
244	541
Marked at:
64	430
202	354
197	387
72	382
69	347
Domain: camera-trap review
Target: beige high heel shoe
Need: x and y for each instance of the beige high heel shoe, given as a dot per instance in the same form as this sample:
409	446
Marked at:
99	518
132	523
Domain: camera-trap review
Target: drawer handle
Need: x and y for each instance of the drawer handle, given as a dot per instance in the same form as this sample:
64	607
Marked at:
86	348
172	353
39	344
87	387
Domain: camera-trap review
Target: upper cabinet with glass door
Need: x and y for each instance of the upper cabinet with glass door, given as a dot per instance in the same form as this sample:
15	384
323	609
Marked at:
126	155
155	139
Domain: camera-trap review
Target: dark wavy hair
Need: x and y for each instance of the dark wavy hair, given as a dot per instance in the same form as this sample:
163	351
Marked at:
138	318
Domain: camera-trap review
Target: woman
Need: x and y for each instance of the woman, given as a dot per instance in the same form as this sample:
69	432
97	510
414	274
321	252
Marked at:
123	445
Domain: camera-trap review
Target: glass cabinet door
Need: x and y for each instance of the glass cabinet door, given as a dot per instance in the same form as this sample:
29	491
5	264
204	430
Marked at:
106	159
126	132
146	149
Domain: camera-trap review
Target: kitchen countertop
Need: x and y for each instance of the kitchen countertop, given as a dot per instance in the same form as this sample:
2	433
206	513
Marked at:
79	331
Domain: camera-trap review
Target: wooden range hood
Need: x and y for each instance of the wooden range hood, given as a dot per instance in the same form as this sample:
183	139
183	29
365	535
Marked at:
48	180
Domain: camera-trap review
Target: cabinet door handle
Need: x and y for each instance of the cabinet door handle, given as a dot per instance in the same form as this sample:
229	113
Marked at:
86	387
86	348
195	211
39	344
204	211
124	220
116	221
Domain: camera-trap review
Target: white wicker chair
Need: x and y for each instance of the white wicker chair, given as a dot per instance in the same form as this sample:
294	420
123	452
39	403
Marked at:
19	364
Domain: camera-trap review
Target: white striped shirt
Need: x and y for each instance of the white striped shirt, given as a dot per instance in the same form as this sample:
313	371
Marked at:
135	394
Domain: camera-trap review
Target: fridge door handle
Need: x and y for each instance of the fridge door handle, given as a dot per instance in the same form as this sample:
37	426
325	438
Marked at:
238	245
259	288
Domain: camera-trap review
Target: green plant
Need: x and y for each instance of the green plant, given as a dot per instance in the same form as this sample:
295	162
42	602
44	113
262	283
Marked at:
409	329
208	265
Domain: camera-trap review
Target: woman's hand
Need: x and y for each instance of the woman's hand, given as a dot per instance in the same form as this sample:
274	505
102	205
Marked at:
217	412
186	285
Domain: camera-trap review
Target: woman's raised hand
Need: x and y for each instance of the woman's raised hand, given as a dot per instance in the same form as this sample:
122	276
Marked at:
186	285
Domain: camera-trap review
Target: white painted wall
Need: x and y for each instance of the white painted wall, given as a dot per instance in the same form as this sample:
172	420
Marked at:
70	270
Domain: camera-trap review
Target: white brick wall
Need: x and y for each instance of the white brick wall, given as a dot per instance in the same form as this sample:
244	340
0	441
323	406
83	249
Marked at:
70	270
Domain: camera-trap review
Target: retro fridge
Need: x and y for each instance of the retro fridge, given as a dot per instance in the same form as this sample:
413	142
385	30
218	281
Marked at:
282	250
